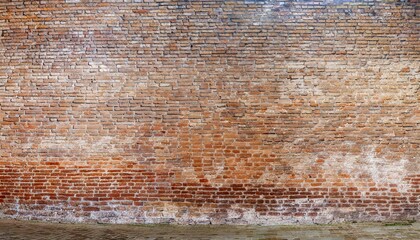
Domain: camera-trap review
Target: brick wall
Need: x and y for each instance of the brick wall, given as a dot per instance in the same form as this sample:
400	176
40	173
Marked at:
212	111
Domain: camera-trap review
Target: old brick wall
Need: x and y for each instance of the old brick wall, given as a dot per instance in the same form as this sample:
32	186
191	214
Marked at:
237	111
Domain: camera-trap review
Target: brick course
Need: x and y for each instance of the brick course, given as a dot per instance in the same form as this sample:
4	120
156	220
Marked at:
234	112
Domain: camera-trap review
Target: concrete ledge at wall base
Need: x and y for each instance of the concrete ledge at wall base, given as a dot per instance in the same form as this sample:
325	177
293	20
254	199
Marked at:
233	217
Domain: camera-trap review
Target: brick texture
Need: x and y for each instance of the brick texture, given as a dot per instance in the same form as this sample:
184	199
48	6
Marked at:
213	111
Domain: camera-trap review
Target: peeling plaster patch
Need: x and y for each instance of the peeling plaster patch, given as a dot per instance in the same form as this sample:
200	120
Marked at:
106	144
382	171
118	217
61	144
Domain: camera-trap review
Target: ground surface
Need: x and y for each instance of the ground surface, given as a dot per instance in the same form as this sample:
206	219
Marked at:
11	229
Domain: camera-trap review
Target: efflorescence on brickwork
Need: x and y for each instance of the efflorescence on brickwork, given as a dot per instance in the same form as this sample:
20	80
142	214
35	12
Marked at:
234	112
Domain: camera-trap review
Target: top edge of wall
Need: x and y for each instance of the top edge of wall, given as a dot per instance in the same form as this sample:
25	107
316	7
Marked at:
280	2
259	1
328	2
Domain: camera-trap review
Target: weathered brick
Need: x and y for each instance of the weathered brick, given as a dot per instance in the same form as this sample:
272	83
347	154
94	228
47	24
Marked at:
217	111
